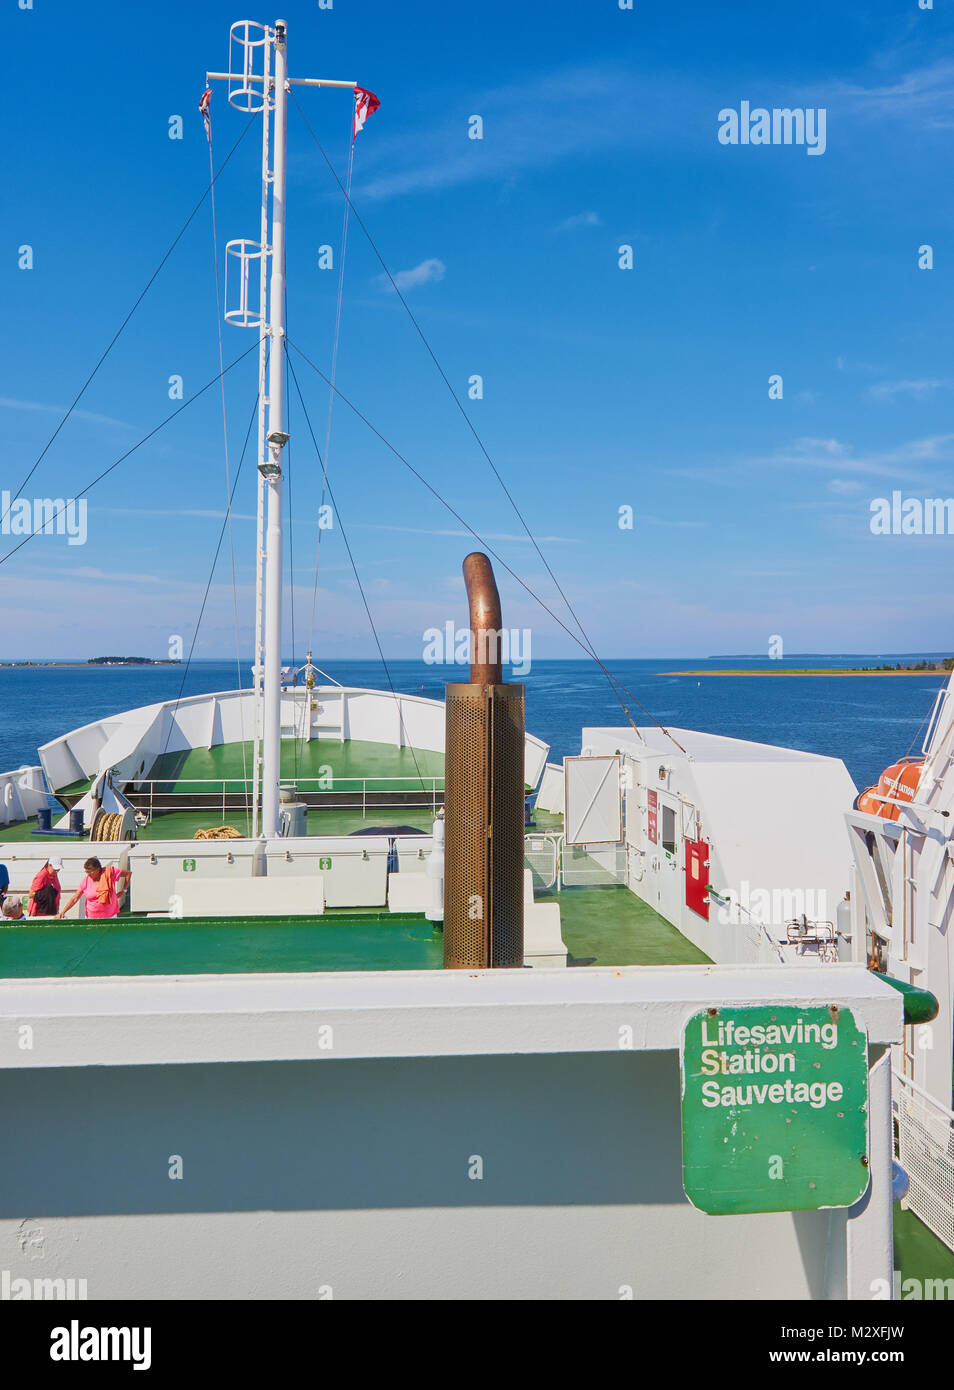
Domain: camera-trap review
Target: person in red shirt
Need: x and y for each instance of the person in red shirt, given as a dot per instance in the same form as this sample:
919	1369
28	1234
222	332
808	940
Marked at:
45	890
100	887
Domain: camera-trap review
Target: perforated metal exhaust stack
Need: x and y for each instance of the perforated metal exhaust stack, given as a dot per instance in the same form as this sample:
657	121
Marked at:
483	796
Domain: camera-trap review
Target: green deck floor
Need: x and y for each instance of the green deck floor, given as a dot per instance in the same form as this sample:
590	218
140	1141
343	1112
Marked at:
208	946
918	1253
603	926
611	926
205	775
381	766
182	825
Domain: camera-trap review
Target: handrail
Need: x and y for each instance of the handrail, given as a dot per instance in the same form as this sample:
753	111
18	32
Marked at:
925	1095
291	781
920	1005
940	698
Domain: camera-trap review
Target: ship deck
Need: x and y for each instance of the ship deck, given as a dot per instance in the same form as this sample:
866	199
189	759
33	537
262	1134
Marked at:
233	762
182	825
348	787
321	820
600	925
604	926
347	766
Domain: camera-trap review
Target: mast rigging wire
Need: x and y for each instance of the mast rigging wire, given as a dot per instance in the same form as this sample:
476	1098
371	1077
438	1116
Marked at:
334	377
586	644
225	443
357	577
489	548
119	330
306	707
205	598
122	458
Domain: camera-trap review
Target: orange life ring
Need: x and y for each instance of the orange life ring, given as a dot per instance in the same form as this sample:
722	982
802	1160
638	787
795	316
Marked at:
900	781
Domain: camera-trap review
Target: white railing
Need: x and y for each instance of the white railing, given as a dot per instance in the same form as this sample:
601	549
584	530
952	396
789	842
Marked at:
213	792
542	857
22	793
924	1147
585	866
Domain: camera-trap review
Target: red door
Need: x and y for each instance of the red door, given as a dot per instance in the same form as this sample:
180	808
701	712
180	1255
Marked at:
697	877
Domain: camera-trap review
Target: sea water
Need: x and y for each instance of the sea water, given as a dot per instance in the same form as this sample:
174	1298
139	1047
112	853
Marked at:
868	721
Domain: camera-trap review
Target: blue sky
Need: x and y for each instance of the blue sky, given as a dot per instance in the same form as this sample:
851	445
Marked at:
603	387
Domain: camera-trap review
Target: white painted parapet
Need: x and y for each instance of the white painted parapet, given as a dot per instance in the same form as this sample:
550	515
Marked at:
770	821
354	868
460	1134
25	858
250	897
550	797
409	893
157	864
542	938
22	794
131	742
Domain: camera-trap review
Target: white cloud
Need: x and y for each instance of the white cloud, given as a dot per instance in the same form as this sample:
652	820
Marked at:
819	453
890	390
580	219
658	521
8	403
904	461
843	487
845	364
111	576
487	536
832	447
179	512
925	94
427	272
528	124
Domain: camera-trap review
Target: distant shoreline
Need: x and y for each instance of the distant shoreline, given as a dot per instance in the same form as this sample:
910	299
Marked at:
821	671
85	665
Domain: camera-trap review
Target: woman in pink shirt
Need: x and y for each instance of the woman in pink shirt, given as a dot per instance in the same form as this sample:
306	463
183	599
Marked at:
99	887
45	890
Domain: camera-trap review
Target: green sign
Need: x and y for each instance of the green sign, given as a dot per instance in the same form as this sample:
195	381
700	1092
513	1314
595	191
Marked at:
774	1109
188	866
324	864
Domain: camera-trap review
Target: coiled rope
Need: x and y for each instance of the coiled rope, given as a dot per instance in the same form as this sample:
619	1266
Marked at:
108	827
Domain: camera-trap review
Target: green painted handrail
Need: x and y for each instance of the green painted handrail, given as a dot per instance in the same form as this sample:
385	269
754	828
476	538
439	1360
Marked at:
920	1005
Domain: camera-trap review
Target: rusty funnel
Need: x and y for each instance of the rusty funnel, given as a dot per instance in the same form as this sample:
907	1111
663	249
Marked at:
484	795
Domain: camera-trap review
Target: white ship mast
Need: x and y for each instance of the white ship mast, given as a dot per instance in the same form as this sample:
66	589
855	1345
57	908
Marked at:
259	82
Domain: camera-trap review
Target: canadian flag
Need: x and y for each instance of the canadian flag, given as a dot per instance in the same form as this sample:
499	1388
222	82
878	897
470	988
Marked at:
365	105
206	112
